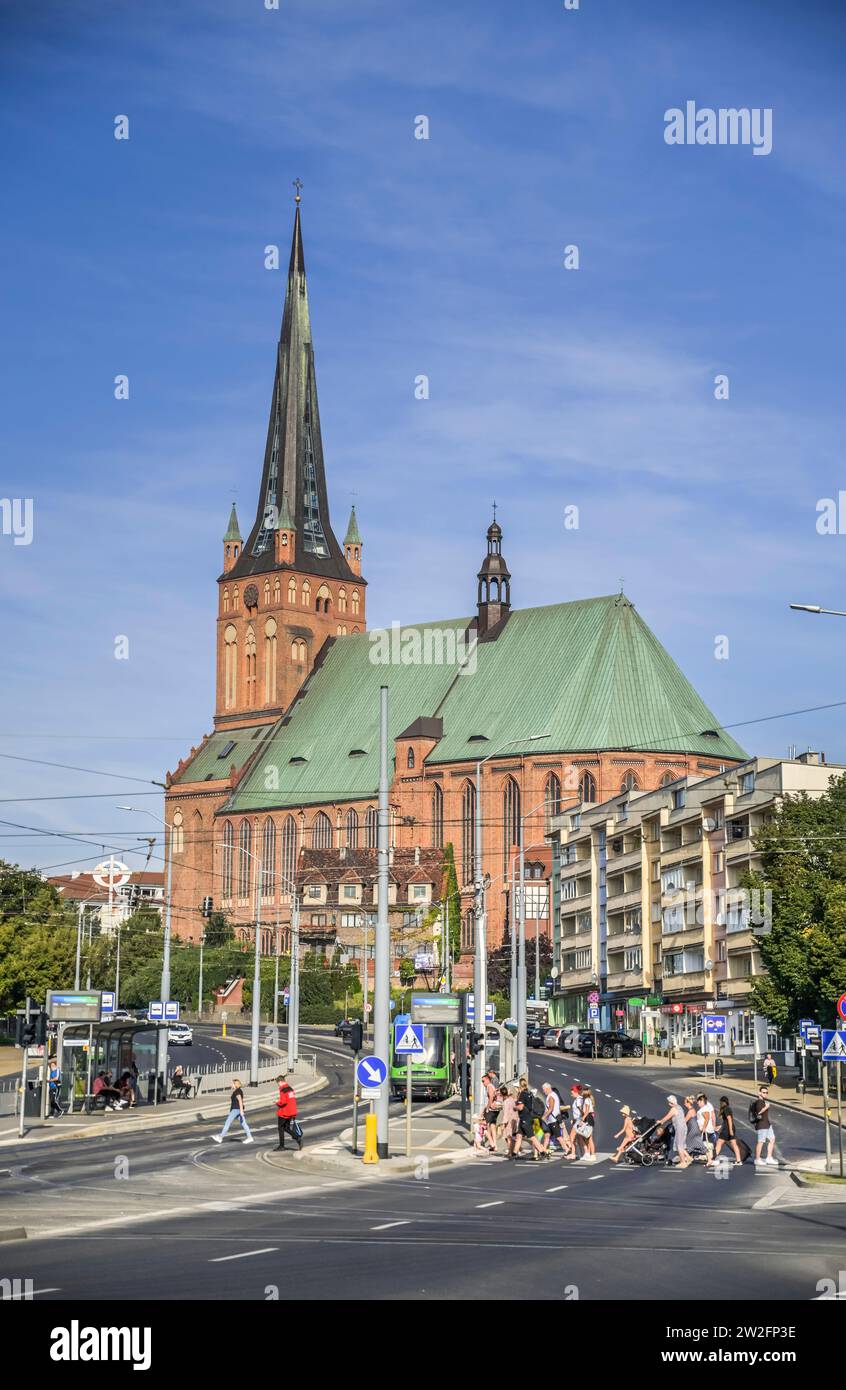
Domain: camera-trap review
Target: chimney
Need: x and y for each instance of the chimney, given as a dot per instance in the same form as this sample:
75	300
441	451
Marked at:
811	758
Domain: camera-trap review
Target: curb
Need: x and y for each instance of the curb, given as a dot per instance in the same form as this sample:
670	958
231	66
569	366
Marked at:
144	1124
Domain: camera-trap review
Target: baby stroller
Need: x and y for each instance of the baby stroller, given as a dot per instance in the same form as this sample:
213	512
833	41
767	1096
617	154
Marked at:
650	1146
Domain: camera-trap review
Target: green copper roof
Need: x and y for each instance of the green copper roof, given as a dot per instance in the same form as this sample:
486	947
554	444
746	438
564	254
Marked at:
233	531
286	521
215	760
590	674
352	537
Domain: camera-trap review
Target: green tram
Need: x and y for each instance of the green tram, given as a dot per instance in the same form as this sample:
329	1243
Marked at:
433	1071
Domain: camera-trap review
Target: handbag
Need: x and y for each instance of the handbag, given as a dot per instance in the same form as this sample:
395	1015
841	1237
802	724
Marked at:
583	1129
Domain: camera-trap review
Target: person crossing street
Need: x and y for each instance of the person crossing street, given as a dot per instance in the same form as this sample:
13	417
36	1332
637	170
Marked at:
286	1115
236	1112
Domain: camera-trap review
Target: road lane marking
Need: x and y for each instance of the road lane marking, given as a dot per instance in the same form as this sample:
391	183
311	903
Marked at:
596	1177
562	1188
481	1205
245	1255
388	1224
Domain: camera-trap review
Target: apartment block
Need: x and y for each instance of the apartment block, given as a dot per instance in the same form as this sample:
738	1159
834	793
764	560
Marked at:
650	901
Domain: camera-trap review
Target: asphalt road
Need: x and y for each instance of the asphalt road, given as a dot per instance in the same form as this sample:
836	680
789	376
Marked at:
549	1230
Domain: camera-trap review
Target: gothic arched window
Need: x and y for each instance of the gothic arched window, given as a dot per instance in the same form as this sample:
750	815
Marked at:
230	667
629	782
245	846
553	795
177	834
289	853
268	860
270	661
352	829
510	820
228	842
226	600
306	593
587	787
667	779
371	828
409	760
468	833
342	600
250	665
355	600
321	832
292	591
437	816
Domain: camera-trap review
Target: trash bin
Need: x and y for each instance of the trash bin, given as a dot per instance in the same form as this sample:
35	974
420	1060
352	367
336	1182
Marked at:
32	1098
618	1051
800	1084
718	1067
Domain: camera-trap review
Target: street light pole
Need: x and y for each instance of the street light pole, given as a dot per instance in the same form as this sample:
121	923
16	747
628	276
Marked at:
382	965
161	1033
480	959
255	1022
815	608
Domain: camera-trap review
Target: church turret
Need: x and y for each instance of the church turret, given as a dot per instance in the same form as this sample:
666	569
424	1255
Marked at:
286	535
352	545
232	541
493	596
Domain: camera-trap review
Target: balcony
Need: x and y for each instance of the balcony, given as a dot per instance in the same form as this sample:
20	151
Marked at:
686	982
626	859
575	979
620	936
625	979
737	989
628	898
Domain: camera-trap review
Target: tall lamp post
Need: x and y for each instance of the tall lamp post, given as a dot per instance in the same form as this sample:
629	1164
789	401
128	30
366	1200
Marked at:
522	981
480	963
815	608
161	1038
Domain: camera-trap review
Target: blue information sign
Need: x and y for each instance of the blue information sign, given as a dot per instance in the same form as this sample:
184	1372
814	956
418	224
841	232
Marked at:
713	1023
371	1071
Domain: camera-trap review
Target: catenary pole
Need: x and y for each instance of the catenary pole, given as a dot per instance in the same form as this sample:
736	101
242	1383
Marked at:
382	964
255	1020
480	962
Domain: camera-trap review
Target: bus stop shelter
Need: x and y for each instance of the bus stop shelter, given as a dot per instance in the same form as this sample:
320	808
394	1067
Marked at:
113	1045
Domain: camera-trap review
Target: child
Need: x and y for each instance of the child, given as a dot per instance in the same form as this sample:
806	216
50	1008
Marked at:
480	1134
627	1133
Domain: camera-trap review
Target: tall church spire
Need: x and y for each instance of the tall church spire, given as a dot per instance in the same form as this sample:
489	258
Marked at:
293	456
493	596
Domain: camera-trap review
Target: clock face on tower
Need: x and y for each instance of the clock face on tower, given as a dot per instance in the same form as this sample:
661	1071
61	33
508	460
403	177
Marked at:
251	596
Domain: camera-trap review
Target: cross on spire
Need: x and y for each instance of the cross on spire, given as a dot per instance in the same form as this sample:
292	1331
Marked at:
298	183
494	509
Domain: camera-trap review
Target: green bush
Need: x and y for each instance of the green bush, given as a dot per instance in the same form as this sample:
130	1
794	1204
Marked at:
315	988
320	1013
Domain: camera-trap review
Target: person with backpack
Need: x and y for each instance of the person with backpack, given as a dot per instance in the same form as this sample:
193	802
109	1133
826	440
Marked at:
579	1132
770	1070
286	1115
759	1117
727	1134
529	1109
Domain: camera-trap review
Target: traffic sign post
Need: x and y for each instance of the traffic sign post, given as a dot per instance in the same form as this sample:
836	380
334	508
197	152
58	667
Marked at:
833	1049
408	1043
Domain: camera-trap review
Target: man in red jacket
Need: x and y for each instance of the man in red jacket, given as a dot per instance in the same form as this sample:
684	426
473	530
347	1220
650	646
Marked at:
286	1115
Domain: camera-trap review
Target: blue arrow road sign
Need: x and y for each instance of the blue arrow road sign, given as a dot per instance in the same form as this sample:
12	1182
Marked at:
371	1071
714	1023
408	1039
833	1045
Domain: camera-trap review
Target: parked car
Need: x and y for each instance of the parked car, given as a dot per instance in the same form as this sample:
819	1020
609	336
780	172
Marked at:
124	1016
551	1037
180	1033
535	1034
606	1042
343	1027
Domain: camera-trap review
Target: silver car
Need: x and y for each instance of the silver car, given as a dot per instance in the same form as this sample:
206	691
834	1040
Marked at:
551	1037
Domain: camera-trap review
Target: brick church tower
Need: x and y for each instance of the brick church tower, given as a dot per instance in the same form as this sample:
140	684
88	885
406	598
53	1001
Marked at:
290	585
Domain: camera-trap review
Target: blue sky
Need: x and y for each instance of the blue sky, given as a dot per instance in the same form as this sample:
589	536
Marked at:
441	257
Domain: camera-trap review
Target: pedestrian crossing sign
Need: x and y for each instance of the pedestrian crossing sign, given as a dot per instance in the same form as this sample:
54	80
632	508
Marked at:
833	1045
408	1039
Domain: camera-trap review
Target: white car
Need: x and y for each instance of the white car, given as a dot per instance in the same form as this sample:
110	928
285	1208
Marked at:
180	1033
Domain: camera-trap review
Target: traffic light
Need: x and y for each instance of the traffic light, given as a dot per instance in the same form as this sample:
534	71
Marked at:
475	1043
355	1037
207	908
31	1032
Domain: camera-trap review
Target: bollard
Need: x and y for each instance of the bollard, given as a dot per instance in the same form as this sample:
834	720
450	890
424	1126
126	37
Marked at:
371	1151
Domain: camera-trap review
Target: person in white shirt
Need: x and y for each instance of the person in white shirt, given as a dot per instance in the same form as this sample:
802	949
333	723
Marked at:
707	1117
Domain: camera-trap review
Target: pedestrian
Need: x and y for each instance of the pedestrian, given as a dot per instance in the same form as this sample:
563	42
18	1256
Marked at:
707	1117
524	1103
508	1119
492	1107
727	1134
236	1112
675	1117
627	1134
54	1081
769	1070
589	1119
759	1115
550	1118
286	1115
579	1131
695	1139
662	1038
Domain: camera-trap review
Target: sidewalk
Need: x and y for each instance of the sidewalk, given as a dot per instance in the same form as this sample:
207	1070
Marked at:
438	1140
147	1117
